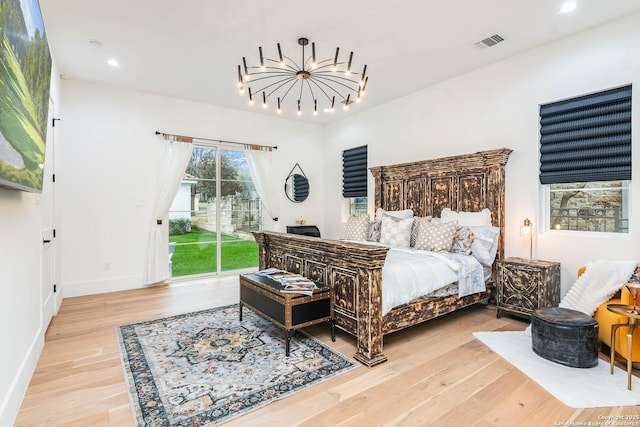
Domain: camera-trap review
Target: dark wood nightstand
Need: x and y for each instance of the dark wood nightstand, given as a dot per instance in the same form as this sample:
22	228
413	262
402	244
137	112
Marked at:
525	285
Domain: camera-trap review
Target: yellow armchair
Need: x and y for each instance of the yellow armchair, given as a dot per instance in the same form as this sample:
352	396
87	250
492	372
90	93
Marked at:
605	319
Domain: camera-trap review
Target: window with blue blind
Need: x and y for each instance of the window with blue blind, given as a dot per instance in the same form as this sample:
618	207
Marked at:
354	172
585	161
354	179
587	138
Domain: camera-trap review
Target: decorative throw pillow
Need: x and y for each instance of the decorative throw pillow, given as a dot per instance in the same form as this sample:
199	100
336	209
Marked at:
396	232
635	277
357	228
414	229
485	244
462	241
436	237
467	218
373	235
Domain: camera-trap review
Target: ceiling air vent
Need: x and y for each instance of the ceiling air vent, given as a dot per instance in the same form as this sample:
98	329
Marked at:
489	41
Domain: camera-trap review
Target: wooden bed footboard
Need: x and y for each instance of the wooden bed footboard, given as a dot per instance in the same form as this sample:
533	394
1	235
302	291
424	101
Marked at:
353	270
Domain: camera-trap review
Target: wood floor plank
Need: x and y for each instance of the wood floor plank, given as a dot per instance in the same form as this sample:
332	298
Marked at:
437	372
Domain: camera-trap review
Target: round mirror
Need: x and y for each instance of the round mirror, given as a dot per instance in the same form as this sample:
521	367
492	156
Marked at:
296	187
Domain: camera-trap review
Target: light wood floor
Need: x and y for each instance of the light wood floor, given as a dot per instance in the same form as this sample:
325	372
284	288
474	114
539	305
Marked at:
437	373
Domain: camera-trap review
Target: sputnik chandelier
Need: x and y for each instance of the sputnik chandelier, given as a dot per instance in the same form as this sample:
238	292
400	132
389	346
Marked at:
314	84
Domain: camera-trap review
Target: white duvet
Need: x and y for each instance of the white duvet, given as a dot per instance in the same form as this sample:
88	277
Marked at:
408	274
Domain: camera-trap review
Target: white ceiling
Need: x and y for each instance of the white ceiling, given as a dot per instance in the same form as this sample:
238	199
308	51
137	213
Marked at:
190	49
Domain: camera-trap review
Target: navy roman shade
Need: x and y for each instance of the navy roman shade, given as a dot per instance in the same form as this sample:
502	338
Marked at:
587	138
354	172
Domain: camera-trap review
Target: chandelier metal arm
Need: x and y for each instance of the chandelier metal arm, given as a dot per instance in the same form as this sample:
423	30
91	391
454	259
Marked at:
270	70
321	79
272	75
280	82
293	84
334	77
313	96
323	91
290	65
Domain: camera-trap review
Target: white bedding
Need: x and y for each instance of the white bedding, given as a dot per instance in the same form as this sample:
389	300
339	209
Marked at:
409	273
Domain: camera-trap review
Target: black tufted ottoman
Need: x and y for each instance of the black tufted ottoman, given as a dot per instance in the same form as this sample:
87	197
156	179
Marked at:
565	336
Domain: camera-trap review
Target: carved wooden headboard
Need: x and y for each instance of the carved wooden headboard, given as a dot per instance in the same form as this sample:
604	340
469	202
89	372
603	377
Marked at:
469	182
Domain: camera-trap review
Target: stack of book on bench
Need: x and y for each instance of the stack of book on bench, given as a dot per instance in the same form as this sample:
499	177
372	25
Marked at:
292	283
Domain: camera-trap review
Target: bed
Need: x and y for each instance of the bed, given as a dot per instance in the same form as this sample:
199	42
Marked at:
464	183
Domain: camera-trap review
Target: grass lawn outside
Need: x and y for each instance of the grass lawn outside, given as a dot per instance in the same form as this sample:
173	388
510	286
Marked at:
195	253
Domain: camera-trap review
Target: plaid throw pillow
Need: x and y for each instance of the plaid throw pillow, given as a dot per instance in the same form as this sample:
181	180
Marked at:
396	232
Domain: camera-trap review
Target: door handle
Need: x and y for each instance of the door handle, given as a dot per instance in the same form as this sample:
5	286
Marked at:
46	241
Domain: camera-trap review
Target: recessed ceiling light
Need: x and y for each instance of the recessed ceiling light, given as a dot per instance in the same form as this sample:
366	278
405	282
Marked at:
112	62
568	6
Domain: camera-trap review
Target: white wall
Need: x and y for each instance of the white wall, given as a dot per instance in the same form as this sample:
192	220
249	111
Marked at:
107	149
495	107
22	326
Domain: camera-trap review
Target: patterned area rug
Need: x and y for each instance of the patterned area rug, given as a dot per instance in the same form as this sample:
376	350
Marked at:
205	368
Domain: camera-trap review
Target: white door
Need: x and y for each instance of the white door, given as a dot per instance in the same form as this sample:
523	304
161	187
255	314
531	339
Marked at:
50	303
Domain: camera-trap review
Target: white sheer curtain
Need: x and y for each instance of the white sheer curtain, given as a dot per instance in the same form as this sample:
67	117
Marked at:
172	164
259	160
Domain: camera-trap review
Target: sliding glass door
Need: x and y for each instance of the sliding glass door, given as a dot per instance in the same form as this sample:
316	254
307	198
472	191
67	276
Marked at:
213	215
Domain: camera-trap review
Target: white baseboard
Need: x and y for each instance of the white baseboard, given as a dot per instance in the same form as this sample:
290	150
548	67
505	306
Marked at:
11	403
123	283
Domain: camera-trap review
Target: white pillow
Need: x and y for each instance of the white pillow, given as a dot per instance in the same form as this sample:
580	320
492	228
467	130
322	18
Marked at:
485	244
407	213
481	218
357	228
396	232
